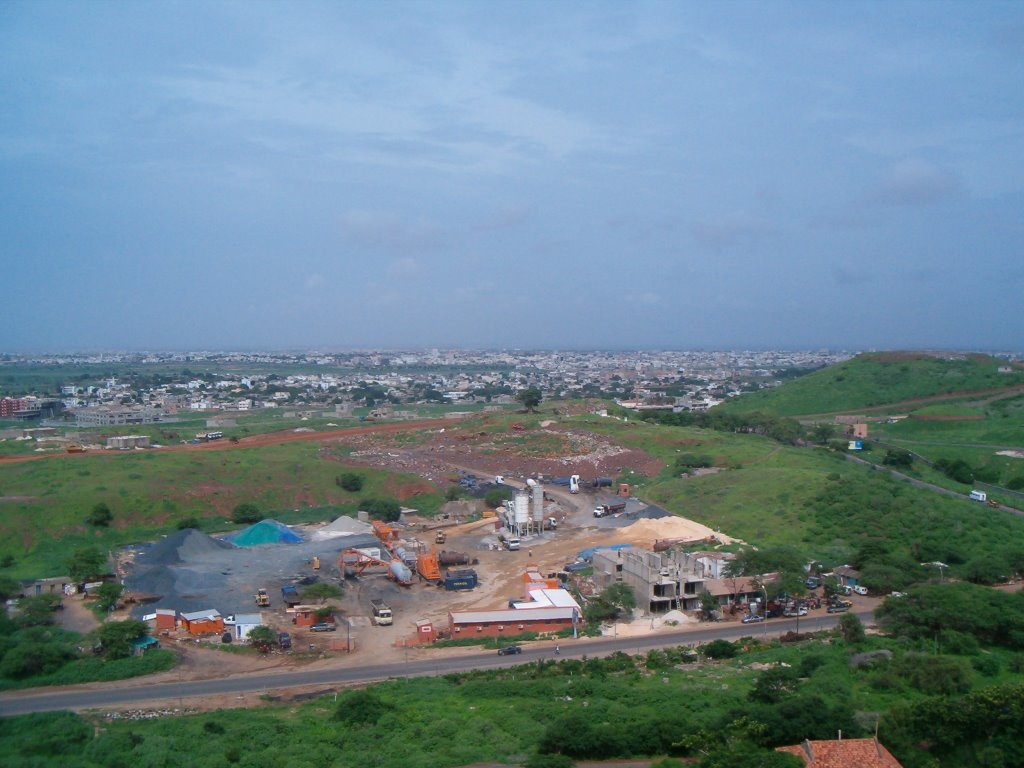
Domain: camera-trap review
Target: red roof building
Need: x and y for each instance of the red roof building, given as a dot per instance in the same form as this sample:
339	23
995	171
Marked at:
843	753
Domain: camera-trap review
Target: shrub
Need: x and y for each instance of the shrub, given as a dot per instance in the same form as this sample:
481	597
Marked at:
246	513
100	516
361	708
496	496
188	522
350	481
387	510
986	665
719	649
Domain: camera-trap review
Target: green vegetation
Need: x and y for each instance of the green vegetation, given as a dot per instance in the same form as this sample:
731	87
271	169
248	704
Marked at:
876	379
43	513
246	513
664	703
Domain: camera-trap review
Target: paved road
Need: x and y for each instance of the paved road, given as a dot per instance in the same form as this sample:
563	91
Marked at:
115	696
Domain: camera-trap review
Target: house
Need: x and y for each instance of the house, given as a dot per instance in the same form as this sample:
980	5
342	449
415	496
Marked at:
166	619
511	622
848	577
242	624
202	622
307	616
843	753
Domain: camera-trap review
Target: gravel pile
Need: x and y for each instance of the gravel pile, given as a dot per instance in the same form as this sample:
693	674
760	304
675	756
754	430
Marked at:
190	571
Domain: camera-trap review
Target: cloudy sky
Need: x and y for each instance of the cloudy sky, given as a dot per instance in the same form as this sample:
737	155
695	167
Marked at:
491	174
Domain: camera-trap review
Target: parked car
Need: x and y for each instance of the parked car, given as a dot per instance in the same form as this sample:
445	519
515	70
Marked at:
323	627
284	640
509	650
752	618
837	608
811	582
794	612
860	590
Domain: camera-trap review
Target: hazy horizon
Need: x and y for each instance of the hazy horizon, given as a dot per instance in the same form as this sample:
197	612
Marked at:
793	175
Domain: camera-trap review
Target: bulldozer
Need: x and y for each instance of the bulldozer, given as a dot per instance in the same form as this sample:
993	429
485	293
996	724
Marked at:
262	598
440	537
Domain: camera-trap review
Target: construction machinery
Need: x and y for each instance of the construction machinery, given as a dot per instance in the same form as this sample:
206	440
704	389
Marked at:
382	615
440	537
427	566
262	598
357	561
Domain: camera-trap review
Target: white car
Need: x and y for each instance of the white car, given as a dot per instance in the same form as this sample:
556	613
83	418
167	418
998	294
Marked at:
860	590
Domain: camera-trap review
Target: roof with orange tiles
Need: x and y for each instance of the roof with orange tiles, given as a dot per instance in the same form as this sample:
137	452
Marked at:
844	753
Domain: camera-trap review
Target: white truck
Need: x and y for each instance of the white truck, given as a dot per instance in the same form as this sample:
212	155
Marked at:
382	615
979	496
509	541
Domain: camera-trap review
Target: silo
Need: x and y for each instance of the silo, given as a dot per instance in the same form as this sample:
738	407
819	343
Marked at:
538	507
522	519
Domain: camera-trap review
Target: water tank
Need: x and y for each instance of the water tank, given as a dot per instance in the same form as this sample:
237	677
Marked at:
522	508
400	572
538	503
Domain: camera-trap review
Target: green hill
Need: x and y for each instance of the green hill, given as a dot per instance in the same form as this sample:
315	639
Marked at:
877	379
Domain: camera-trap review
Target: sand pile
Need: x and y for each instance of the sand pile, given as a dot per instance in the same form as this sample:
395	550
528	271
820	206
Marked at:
645	532
343	526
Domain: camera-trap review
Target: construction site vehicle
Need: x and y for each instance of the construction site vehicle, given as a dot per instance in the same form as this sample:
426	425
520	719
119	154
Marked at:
993	503
447	558
290	595
74	448
603	510
427	566
382	615
316	562
284	640
262	598
574	484
460	580
440	537
509	541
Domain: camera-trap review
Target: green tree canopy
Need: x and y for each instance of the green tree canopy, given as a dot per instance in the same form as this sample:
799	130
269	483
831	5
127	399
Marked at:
322	591
100	516
386	510
116	637
530	398
246	513
86	563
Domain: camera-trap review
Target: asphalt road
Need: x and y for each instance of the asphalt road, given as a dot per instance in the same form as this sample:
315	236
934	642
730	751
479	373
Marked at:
120	696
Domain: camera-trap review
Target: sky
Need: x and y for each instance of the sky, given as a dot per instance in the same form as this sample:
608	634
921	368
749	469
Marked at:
680	175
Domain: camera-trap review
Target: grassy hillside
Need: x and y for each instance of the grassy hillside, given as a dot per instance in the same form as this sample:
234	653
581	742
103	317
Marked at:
877	379
43	504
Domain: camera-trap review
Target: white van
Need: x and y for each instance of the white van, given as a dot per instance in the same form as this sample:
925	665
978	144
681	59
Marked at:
979	496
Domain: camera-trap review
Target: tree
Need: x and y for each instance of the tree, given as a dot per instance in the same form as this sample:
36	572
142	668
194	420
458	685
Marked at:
530	398
188	522
261	638
350	481
851	628
708	605
246	513
322	591
116	637
386	510
8	587
823	433
452	493
37	610
86	563
773	685
898	458
100	516
108	594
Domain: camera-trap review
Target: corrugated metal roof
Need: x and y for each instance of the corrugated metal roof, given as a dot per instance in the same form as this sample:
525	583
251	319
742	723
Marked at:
209	613
511	616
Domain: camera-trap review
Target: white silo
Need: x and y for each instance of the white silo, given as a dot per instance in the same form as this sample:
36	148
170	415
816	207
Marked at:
538	508
522	520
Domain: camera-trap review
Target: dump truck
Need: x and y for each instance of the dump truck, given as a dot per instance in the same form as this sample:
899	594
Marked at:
262	598
290	595
382	615
603	510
